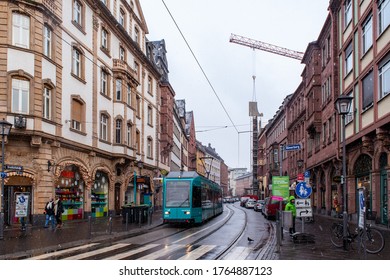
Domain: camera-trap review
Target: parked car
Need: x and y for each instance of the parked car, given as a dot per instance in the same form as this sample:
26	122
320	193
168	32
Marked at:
250	203
272	206
258	206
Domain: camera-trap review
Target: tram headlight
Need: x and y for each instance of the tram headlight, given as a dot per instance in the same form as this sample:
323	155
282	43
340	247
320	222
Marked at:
167	212
187	212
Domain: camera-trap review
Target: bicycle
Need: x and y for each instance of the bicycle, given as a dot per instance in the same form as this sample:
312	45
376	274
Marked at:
369	237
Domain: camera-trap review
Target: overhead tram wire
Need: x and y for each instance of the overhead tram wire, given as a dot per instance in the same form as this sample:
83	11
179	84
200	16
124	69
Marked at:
200	66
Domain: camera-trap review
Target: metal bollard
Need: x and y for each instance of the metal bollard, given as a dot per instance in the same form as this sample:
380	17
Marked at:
110	225
140	217
89	227
127	221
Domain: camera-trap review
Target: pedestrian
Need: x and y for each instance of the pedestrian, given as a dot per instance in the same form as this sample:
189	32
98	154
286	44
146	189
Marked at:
290	206
58	210
49	211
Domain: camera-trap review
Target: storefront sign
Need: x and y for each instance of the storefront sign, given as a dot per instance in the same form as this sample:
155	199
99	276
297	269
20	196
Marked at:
67	174
21	208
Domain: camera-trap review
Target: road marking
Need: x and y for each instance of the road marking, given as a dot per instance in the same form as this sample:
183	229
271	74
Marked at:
166	250
198	252
238	253
132	252
96	252
61	252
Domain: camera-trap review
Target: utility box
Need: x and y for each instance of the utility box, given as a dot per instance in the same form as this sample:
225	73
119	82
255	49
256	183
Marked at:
287	219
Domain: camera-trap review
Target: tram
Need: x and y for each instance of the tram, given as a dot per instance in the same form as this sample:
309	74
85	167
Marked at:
190	198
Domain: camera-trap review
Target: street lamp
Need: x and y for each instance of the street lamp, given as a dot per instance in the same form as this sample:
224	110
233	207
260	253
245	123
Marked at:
300	163
5	129
343	105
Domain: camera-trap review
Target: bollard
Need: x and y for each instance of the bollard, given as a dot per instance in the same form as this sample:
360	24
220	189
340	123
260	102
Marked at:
127	221
150	216
110	225
89	227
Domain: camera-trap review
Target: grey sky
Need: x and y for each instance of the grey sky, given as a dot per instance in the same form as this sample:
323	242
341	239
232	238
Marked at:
207	26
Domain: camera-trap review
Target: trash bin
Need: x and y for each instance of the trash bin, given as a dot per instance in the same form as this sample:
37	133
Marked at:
287	219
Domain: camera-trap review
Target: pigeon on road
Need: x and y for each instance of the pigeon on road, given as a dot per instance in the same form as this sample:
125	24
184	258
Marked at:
250	239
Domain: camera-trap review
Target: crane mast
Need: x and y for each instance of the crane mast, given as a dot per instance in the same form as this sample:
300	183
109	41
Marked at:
254	44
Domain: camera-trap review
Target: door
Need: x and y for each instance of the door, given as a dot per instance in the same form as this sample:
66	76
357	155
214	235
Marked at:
117	199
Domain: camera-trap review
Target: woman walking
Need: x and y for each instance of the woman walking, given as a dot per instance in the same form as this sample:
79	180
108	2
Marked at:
58	210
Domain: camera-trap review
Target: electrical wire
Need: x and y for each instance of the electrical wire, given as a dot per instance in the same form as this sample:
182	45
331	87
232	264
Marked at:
200	66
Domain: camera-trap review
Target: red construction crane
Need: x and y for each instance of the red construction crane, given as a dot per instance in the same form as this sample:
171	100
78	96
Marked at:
265	47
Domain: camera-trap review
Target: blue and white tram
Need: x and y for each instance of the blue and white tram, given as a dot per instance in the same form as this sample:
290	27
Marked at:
190	198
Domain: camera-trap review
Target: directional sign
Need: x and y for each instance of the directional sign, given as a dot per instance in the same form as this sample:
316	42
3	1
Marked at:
302	203
303	190
305	212
292	147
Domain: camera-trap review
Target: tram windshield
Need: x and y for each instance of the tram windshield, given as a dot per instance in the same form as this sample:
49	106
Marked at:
177	194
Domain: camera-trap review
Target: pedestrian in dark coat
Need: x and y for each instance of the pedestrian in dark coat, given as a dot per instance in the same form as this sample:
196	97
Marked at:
49	211
58	210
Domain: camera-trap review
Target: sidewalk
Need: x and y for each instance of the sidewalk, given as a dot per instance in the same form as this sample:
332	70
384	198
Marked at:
322	248
18	244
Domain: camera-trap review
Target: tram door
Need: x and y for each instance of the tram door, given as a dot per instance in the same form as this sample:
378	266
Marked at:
10	201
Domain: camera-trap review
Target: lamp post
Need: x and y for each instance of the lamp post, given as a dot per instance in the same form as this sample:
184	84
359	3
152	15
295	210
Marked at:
5	129
343	105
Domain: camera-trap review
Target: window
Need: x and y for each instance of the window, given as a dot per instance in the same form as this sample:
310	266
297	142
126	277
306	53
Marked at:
118	132
368	90
122	17
150	116
367	34
77	12
20	30
104	39
47	44
128	90
76	62
138	140
46	103
349	116
129	135
384	15
384	77
348	59
150	147
150	85
104	127
118	89
136	35
104	82
77	114
122	54
348	12
138	106
20	96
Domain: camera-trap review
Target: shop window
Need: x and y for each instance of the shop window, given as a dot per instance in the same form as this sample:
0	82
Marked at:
70	189
99	195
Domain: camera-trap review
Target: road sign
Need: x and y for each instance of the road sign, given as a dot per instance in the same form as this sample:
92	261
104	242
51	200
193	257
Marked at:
303	190
292	147
307	174
304	212
3	175
302	203
300	177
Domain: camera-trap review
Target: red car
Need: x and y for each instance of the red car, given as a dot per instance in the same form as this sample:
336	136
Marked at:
272	206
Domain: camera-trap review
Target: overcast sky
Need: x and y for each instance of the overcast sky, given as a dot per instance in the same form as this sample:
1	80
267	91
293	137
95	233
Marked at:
207	26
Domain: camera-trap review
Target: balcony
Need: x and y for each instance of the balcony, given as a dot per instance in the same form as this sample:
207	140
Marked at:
121	66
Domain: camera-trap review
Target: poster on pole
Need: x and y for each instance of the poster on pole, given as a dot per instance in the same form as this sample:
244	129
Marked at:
280	186
21	207
362	208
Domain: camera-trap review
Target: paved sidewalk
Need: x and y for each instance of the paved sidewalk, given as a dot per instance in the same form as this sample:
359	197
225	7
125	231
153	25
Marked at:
322	248
18	244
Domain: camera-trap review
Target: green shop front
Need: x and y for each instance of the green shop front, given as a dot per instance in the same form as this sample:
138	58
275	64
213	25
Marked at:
99	195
